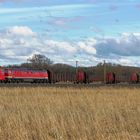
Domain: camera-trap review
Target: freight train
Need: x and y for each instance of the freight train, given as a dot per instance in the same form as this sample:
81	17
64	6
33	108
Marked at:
18	75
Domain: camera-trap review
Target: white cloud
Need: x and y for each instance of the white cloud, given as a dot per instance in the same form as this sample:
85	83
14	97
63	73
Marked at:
20	30
87	47
61	46
128	44
19	42
125	61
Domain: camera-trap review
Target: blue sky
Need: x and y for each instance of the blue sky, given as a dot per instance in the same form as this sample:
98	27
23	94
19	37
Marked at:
89	31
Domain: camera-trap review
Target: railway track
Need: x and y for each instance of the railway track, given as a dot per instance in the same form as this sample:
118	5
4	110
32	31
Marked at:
61	85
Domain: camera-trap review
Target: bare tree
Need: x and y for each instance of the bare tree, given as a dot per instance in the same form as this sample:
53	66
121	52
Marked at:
39	61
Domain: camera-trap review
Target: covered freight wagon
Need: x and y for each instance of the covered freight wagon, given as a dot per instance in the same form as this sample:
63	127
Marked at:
110	78
134	78
81	77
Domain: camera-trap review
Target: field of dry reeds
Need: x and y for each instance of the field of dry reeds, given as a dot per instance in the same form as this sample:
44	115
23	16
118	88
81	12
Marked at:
69	114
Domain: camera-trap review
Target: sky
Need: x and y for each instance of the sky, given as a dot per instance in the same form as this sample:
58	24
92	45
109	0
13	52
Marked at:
88	31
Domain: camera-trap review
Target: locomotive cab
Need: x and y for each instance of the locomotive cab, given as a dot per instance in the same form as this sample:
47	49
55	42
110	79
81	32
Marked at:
8	73
2	77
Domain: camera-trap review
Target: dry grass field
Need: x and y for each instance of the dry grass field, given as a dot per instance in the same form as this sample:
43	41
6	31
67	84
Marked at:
69	114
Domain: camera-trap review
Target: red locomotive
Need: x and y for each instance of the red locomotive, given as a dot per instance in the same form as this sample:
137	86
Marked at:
23	75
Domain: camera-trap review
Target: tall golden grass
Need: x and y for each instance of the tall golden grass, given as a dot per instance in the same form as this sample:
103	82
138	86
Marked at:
69	114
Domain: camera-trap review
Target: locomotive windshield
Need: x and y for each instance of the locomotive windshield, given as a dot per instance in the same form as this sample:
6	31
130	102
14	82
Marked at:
8	71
